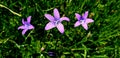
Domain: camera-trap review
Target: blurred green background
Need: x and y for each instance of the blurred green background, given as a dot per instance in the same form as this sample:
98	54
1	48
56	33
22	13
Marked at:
101	40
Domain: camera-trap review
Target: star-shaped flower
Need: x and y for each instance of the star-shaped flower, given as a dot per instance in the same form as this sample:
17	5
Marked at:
83	20
55	21
26	25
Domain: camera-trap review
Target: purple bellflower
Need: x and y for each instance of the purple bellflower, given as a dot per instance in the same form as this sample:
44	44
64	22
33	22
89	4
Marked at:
55	21
26	25
83	20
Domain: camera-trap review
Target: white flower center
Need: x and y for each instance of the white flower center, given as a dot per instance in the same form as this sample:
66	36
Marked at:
56	22
82	21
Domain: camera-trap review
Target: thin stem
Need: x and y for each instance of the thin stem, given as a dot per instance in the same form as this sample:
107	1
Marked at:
10	10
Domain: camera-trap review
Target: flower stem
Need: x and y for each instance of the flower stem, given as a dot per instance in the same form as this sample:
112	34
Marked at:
10	10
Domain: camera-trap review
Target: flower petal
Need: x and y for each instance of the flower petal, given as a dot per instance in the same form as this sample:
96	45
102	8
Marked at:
64	18
89	20
60	27
77	24
24	31
49	17
50	25
56	13
31	27
29	19
85	26
85	15
77	16
21	27
23	22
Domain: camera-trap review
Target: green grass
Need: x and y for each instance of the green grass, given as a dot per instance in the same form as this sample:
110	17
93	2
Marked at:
101	40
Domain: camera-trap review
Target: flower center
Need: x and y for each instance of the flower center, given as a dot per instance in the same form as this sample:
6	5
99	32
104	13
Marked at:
27	24
56	22
82	20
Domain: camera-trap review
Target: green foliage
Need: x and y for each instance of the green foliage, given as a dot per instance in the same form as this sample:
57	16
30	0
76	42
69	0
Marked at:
101	40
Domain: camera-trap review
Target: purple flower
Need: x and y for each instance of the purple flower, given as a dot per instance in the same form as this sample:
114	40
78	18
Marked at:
26	25
51	54
55	21
83	20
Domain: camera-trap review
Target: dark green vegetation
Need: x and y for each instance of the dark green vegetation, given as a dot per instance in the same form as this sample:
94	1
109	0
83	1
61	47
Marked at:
101	40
